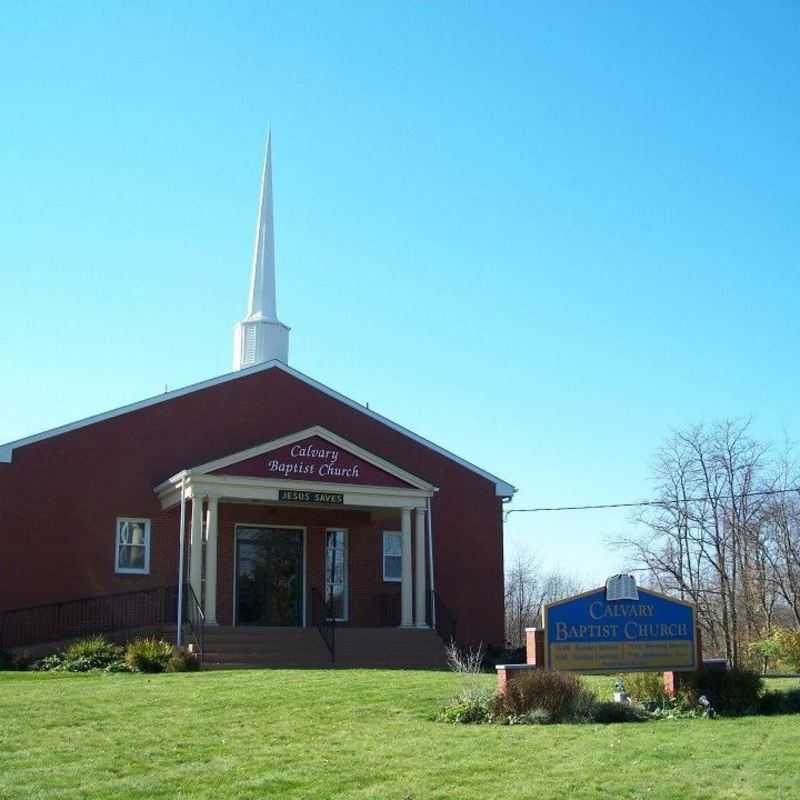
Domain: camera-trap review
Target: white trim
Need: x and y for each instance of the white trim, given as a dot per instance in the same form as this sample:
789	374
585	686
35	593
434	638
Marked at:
128	570
346	533
236	526
430	558
503	488
232	488
383	556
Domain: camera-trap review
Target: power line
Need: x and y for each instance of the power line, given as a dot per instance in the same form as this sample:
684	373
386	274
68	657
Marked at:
645	502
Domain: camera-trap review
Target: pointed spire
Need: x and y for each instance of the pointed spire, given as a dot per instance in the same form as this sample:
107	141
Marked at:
261	336
261	302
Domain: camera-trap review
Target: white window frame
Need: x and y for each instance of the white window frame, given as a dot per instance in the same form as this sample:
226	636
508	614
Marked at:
345	573
117	544
389	579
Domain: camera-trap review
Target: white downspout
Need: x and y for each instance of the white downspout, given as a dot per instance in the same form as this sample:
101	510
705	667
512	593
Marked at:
430	559
181	538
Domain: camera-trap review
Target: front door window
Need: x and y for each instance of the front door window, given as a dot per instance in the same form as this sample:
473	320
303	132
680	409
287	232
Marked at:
336	572
269	576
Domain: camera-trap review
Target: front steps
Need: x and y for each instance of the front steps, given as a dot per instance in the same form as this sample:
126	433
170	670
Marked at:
228	647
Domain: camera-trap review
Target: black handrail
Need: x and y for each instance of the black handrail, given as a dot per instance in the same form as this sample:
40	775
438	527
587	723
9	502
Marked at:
85	616
325	621
193	615
445	619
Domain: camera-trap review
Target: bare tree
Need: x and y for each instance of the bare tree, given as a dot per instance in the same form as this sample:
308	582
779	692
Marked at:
716	536
528	589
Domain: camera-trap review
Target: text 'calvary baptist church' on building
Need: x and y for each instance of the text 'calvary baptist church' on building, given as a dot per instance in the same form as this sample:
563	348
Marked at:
277	501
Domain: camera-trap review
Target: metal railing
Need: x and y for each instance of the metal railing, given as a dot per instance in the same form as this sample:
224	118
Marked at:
89	615
194	616
325	621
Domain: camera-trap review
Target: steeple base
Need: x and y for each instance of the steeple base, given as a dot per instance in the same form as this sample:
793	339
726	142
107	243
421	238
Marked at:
258	341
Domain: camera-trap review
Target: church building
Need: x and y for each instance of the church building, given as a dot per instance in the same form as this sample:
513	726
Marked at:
282	522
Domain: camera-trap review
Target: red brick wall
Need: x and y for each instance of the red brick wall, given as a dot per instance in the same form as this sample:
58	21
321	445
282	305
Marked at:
60	497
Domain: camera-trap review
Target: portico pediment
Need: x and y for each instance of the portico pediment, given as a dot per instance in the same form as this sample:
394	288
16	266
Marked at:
311	458
314	458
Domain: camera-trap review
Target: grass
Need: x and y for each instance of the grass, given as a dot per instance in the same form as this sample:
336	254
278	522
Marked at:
355	734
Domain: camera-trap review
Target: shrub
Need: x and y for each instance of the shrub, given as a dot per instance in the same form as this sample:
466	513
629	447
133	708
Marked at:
730	692
563	696
118	666
536	716
790	703
468	661
788	647
474	707
607	712
646	687
148	655
53	663
777	702
92	653
82	656
782	646
183	661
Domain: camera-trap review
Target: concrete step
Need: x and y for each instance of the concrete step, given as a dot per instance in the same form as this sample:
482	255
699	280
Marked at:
233	647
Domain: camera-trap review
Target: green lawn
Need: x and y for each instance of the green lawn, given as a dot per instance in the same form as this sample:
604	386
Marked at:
355	734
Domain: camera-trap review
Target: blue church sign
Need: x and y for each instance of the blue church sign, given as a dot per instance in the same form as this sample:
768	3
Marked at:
620	628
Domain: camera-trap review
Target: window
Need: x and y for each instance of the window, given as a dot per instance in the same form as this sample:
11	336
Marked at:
133	546
336	573
392	556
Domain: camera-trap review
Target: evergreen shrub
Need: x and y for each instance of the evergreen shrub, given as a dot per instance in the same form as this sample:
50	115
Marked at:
731	692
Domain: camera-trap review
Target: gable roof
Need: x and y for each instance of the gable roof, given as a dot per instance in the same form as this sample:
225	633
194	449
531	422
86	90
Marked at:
503	488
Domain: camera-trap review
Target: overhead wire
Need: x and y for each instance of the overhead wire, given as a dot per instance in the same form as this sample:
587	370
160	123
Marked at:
643	503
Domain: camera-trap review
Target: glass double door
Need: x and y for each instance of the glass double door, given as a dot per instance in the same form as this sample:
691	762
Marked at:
269	569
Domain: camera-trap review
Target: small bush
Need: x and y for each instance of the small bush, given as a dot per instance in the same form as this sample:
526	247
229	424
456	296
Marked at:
536	716
731	692
183	661
782	646
468	660
561	695
148	655
608	712
84	655
777	702
53	663
476	707
92	653
646	687
118	666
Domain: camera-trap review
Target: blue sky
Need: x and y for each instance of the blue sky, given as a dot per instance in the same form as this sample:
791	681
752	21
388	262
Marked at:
540	235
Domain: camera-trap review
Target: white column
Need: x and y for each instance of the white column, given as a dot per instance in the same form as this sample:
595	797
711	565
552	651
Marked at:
196	547
406	593
420	585
211	562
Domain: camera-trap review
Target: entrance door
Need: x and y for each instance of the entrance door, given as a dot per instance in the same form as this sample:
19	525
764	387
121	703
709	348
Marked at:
269	568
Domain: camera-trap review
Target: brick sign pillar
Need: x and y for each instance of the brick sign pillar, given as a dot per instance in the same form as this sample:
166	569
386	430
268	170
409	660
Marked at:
535	646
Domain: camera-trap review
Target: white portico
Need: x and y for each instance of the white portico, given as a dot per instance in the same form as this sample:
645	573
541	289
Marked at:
338	477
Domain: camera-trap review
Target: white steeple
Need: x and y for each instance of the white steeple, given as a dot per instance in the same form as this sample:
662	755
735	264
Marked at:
260	336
